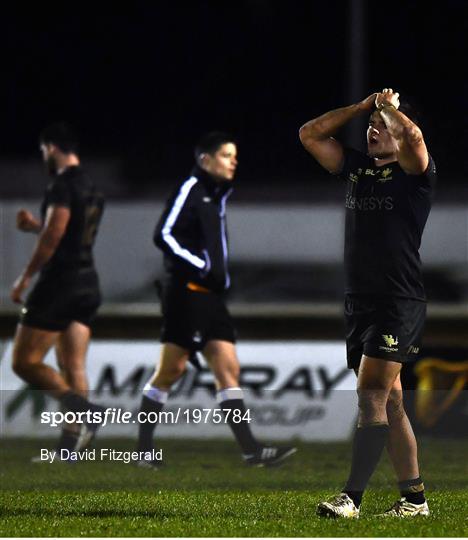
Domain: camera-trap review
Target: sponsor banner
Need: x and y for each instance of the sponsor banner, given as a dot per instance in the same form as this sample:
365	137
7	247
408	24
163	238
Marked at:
292	389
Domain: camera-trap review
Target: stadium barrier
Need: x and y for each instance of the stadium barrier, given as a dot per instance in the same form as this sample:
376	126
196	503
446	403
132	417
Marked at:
293	389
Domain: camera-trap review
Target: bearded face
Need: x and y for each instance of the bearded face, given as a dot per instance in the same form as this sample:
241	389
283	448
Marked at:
48	152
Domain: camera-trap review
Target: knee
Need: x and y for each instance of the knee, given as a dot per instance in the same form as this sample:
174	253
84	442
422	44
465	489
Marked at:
371	401
24	368
175	372
19	367
21	363
227	371
395	407
170	374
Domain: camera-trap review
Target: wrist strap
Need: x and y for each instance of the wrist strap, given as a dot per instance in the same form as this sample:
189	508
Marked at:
386	105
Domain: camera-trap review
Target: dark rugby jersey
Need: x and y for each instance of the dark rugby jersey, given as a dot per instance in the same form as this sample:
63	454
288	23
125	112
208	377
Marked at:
74	189
386	211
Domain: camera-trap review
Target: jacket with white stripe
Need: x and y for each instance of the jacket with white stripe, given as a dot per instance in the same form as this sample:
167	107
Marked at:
192	232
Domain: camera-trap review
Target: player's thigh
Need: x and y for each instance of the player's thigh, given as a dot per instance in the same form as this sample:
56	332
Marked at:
72	346
85	302
81	301
172	363
31	344
377	374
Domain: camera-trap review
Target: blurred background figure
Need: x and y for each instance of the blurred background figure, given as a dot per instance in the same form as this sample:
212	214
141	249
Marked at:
192	234
62	304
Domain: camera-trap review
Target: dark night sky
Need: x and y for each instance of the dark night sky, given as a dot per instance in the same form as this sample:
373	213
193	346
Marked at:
144	80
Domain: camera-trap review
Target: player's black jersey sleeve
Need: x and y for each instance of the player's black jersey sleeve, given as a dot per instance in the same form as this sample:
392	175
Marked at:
76	191
59	193
428	178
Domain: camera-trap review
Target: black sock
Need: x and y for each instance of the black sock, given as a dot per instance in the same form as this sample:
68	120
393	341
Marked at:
68	440
368	444
146	429
355	496
413	490
75	403
239	427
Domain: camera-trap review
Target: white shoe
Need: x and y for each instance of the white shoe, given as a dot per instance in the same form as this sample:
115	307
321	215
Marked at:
338	506
154	464
269	456
403	508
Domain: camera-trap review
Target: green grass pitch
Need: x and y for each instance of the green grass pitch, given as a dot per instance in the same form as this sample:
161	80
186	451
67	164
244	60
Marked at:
205	491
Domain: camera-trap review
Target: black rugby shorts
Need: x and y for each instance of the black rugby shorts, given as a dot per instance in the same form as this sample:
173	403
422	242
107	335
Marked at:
192	318
60	299
389	328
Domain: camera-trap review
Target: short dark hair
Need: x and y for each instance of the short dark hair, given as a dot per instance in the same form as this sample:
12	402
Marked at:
211	142
62	135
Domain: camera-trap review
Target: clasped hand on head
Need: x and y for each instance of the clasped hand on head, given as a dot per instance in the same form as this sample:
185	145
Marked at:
387	97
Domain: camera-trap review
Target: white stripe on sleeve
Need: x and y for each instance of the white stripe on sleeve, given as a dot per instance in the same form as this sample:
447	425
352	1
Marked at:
171	219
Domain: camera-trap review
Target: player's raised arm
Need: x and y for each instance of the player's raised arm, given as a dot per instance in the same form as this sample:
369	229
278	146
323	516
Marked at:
56	221
412	154
317	135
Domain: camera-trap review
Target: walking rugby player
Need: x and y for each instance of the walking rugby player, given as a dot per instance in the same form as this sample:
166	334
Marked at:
62	304
388	200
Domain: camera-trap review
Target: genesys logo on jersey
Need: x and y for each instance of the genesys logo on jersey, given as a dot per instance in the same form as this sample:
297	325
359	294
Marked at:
299	389
369	204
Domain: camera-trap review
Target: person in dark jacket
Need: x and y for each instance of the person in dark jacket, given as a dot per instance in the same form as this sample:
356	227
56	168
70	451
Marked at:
192	234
